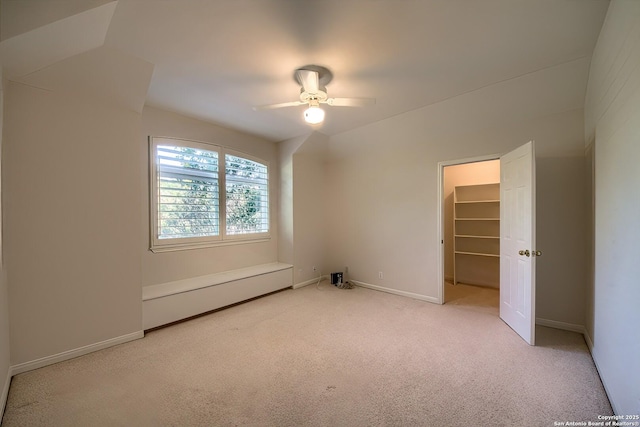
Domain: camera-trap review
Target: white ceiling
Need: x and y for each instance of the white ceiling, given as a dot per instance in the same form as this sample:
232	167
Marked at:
215	59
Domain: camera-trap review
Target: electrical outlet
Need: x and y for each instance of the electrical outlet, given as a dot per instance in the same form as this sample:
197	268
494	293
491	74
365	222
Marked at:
346	270
380	275
314	268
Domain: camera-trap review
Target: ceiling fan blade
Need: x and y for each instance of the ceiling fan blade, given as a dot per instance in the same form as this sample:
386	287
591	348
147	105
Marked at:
309	80
350	102
281	105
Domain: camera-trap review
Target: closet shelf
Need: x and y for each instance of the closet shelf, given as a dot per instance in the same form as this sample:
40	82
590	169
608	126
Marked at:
476	214
477	219
477	253
477	201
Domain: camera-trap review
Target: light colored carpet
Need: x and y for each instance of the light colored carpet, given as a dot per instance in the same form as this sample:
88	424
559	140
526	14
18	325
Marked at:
321	357
473	297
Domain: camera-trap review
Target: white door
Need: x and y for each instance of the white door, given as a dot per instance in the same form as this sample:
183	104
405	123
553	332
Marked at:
517	241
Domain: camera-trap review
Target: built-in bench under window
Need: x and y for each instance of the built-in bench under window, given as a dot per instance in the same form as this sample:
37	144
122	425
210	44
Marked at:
172	301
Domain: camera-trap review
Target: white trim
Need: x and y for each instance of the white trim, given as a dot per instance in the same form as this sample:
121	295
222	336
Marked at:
309	282
70	354
440	222
212	244
396	292
466	160
602	380
5	392
589	341
562	325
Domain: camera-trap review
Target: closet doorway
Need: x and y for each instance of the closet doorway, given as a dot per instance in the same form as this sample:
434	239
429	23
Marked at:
471	234
516	243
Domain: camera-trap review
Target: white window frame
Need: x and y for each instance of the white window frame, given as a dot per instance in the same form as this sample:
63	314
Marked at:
165	245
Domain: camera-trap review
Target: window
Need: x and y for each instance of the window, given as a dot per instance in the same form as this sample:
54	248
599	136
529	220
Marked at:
187	189
247	195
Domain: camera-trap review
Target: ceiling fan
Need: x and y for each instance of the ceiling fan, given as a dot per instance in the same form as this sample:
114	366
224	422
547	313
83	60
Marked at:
313	92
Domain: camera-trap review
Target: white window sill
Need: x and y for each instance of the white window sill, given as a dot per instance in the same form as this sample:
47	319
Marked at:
203	245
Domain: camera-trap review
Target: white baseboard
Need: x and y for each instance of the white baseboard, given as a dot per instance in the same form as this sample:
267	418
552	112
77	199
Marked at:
582	330
396	292
562	325
5	392
589	341
70	354
309	282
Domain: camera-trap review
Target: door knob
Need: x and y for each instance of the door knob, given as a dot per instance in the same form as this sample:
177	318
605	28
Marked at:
525	253
536	253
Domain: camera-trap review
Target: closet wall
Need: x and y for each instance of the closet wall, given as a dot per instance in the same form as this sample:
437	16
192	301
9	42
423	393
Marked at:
464	174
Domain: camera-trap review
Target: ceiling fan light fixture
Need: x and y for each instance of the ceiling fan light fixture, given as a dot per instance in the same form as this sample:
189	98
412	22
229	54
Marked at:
312	80
314	115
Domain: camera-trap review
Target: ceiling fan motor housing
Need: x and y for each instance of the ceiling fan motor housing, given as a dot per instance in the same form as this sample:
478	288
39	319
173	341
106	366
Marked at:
324	74
316	91
320	95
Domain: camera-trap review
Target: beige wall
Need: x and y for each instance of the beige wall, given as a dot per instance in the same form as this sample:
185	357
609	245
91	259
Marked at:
72	221
303	206
286	149
309	209
384	177
561	272
465	174
612	119
74	214
589	208
5	353
169	266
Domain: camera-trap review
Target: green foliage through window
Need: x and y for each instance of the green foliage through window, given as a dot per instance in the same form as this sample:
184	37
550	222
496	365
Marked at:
188	193
247	196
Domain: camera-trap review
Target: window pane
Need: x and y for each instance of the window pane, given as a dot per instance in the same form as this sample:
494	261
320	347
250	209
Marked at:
247	188
187	185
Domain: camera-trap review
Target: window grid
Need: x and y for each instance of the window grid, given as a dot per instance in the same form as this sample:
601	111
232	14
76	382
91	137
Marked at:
188	192
247	196
188	188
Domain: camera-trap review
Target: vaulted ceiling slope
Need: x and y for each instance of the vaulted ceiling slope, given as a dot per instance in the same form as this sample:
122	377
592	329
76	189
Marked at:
216	59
